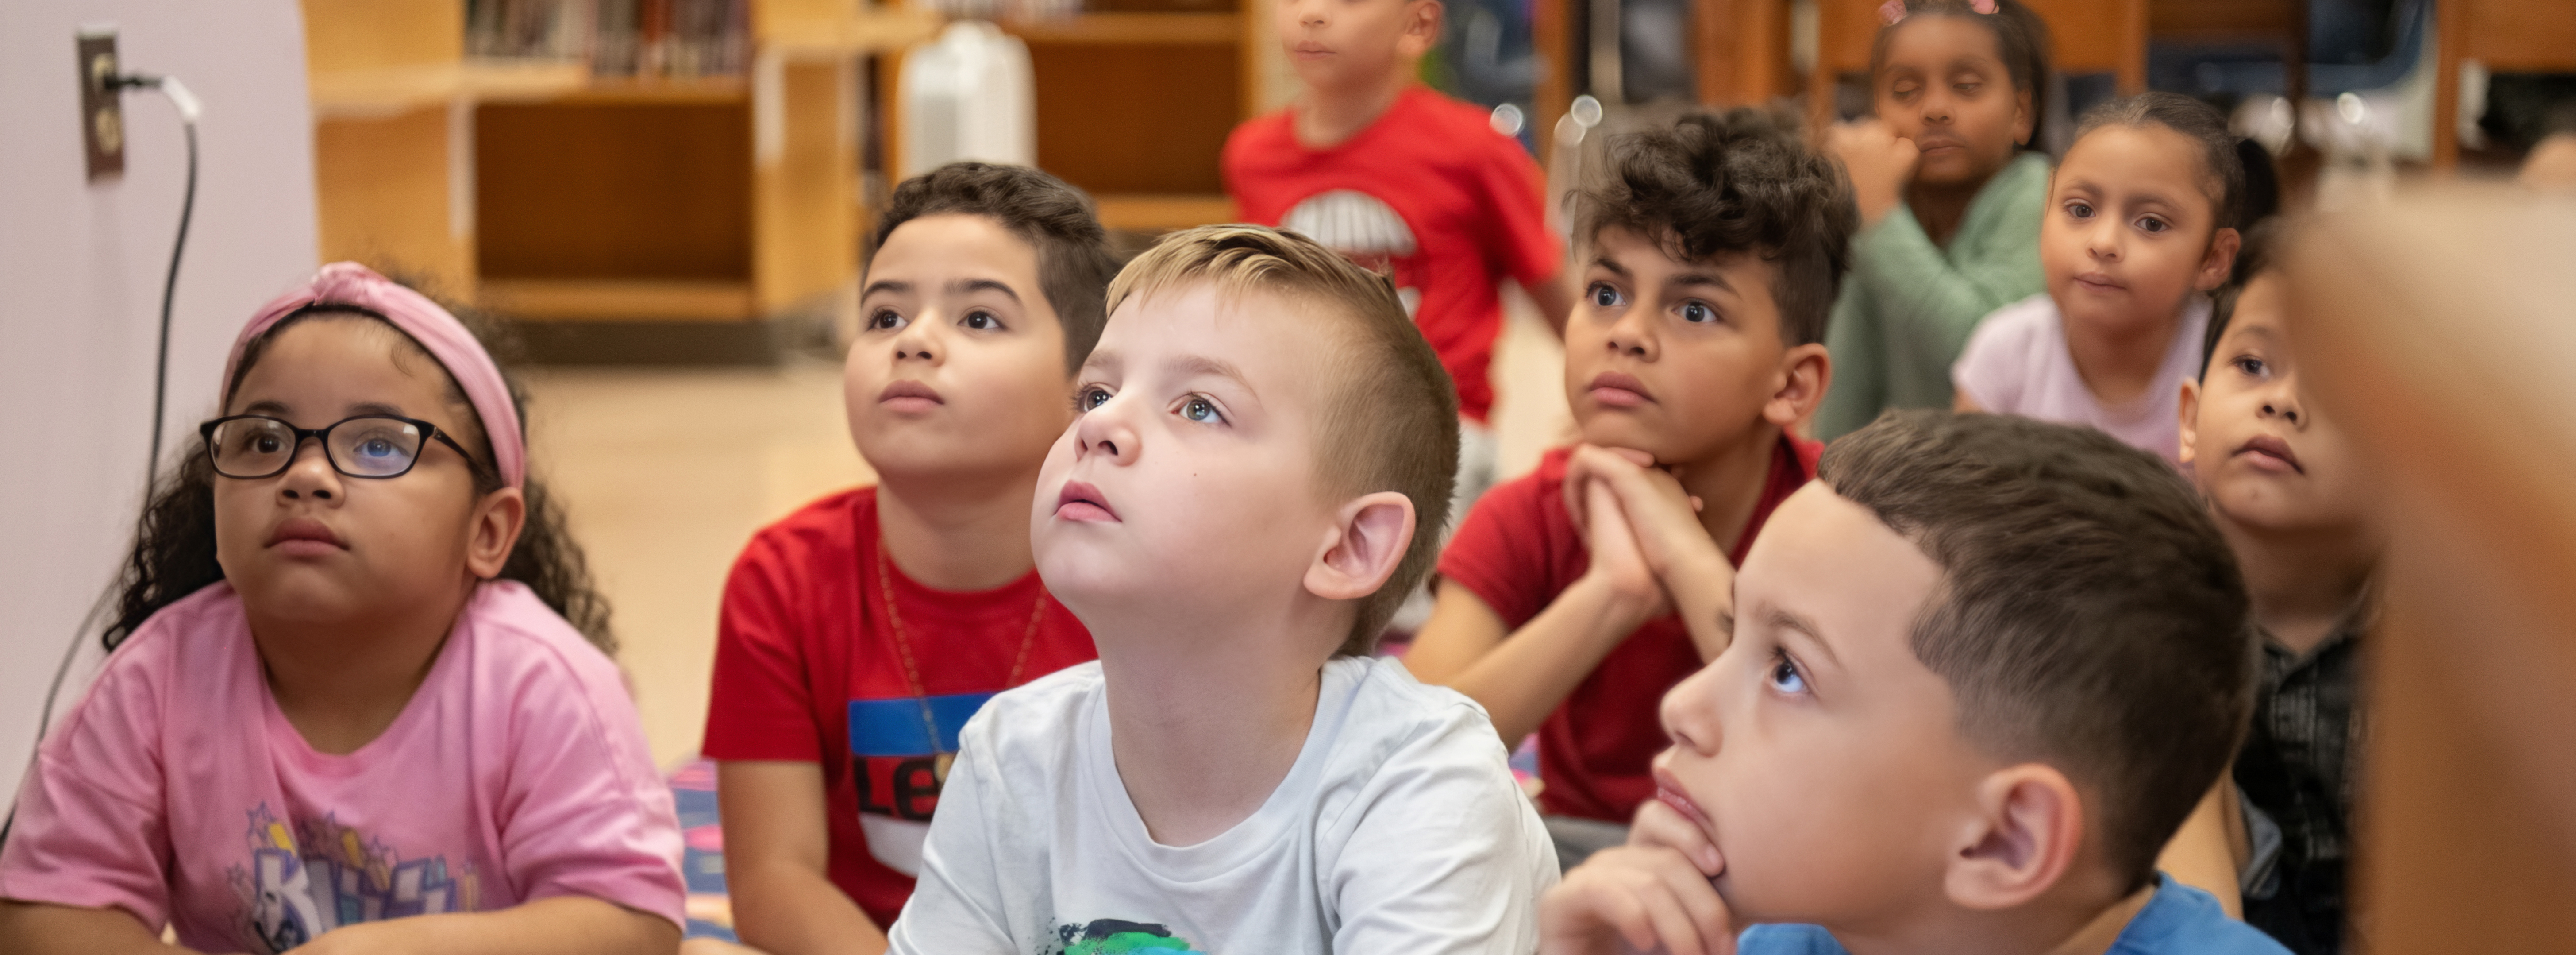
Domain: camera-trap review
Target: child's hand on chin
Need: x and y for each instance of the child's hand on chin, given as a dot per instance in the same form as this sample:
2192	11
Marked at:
1617	558
1879	162
1635	898
1663	519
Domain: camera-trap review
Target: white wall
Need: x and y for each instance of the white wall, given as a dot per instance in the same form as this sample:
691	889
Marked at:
81	267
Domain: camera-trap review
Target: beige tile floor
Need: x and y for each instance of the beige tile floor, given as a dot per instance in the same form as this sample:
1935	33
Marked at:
666	472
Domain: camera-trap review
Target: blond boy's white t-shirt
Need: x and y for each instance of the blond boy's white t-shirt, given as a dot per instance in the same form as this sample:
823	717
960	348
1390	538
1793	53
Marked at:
1398	829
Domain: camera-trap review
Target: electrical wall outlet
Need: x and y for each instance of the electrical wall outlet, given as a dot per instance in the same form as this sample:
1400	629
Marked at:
102	110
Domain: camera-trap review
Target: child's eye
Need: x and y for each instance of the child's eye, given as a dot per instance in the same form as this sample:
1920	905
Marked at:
1784	675
2251	366
1201	410
1089	397
1602	295
884	319
1968	88
2080	209
2152	224
981	321
1698	313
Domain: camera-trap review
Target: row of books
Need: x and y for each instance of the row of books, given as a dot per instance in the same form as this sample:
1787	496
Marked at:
675	39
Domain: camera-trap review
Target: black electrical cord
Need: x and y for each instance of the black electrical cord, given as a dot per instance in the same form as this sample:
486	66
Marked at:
186	104
169	284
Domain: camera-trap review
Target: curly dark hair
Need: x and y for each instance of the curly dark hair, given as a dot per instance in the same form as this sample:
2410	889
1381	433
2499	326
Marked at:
174	544
2021	39
1074	261
1738	181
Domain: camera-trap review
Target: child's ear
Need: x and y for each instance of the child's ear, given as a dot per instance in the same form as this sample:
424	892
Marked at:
1805	372
2189	411
2028	832
2219	261
1421	27
2025	119
1368	540
498	519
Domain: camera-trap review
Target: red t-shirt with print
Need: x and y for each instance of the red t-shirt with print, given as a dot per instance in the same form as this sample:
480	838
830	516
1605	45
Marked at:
1428	193
1517	550
808	669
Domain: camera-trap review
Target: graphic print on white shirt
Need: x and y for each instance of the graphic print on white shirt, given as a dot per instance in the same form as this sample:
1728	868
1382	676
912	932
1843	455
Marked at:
1363	230
1399	828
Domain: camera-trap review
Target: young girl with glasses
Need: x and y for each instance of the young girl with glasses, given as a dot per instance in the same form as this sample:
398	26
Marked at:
347	710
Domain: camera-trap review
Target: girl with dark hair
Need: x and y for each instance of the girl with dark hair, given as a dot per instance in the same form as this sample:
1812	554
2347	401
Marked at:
344	689
2142	223
1949	183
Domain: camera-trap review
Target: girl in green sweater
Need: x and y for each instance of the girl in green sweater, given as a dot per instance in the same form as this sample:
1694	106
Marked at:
1949	200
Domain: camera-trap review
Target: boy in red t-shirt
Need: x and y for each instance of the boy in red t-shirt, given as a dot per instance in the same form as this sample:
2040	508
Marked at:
1714	249
1407	182
860	632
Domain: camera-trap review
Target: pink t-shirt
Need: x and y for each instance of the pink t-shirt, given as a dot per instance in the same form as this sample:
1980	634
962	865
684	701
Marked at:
179	792
2017	363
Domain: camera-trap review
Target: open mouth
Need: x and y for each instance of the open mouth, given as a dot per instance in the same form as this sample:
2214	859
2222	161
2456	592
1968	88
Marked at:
1079	501
908	395
304	536
1617	390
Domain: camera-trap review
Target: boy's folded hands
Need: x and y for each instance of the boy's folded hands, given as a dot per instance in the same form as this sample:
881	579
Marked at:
1653	525
1651	895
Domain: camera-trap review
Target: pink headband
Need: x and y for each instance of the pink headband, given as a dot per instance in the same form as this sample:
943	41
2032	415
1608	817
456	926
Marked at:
446	339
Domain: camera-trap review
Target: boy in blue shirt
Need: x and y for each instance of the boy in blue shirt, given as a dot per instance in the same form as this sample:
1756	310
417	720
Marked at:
1979	671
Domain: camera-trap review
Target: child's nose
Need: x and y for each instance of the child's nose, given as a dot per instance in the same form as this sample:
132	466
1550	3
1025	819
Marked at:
1690	712
1105	431
1633	332
309	474
918	341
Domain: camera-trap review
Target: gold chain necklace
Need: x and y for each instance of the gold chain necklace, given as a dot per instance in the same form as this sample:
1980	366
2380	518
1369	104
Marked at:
912	671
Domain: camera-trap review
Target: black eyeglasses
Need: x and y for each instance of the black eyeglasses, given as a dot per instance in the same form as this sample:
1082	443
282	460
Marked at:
250	446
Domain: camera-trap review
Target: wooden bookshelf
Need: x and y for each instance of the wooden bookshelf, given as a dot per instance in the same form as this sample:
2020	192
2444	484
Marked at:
1135	103
541	192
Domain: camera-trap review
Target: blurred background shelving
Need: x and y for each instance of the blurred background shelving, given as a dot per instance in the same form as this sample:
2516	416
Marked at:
649	176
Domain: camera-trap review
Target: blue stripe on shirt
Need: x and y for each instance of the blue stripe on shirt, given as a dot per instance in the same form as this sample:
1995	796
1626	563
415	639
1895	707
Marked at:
894	727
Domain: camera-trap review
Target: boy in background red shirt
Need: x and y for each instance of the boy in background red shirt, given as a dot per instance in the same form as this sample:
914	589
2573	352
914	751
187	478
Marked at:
1407	182
1713	251
859	633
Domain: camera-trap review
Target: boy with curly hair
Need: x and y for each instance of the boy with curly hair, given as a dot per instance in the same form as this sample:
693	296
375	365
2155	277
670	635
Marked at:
1712	251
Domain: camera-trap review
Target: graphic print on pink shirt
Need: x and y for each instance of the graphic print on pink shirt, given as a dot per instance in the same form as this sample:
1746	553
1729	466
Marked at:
323	875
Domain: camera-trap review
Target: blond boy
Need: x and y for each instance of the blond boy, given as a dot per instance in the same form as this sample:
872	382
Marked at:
1261	466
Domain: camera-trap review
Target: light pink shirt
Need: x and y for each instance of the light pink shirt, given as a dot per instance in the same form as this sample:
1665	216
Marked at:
2017	363
179	792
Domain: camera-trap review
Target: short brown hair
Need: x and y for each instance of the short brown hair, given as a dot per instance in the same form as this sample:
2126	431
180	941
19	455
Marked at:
1392	422
1740	181
2089	616
1074	262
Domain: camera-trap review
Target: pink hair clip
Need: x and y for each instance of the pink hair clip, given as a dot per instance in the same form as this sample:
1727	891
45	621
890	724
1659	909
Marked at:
1894	10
